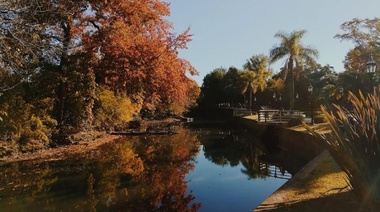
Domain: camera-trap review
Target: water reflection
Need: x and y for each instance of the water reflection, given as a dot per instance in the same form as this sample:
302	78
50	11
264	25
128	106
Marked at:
134	173
130	174
228	148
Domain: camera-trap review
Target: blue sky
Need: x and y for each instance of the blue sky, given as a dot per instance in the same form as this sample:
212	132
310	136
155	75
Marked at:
228	32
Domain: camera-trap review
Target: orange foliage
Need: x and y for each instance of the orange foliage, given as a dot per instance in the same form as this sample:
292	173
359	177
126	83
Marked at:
353	60
169	162
138	52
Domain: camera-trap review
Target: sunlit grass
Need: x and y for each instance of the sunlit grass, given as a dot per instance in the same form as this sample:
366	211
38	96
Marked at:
324	189
252	117
354	143
326	179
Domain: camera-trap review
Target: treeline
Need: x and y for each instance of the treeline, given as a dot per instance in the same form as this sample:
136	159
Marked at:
302	83
68	66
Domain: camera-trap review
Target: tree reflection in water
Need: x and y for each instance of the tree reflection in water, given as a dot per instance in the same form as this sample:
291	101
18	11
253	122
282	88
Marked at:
130	174
226	148
140	173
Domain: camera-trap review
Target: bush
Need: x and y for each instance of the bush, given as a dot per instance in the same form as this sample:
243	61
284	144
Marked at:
354	143
25	124
112	110
35	134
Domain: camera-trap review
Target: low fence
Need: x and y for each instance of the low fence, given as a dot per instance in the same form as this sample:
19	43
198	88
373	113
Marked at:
279	116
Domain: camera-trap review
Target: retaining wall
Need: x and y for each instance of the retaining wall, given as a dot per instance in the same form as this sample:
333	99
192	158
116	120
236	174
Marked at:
272	135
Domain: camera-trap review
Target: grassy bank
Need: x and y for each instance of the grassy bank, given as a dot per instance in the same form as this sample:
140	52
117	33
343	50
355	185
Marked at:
321	186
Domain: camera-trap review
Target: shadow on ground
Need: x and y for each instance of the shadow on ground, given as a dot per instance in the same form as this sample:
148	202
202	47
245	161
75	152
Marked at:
341	202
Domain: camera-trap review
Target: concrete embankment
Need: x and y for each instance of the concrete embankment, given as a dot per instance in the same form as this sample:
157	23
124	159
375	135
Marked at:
319	184
273	135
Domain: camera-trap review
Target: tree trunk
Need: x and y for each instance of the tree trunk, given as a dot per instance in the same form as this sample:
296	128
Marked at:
250	99
61	95
290	68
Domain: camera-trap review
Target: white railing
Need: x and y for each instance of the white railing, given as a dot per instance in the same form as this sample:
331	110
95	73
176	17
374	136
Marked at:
278	116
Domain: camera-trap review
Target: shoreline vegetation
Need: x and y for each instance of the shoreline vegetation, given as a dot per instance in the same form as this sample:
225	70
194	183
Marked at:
88	140
61	152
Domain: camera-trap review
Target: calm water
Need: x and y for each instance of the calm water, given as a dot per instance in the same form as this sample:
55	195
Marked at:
198	169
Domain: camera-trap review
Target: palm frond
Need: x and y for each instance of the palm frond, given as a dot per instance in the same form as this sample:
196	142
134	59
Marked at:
277	53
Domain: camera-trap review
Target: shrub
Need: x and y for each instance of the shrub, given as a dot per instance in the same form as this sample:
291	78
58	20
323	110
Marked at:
354	142
35	133
112	110
27	125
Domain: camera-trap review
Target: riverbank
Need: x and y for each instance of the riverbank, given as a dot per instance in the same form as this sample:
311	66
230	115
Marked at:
62	152
82	142
320	186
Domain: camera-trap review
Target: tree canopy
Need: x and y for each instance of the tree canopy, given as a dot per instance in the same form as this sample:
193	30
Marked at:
62	60
297	55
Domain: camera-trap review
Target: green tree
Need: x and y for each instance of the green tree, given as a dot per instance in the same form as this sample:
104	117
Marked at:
249	79
212	90
297	55
232	85
256	75
322	81
365	34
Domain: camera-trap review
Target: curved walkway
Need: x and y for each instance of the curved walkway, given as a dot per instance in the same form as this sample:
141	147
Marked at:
320	186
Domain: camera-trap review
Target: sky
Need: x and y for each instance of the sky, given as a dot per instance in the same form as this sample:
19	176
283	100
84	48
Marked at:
228	32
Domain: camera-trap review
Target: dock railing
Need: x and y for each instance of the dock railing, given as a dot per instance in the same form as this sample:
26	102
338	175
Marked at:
278	116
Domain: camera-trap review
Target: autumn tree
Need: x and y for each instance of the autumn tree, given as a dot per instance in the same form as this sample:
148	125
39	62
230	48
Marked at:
28	46
181	106
138	53
20	48
42	40
54	55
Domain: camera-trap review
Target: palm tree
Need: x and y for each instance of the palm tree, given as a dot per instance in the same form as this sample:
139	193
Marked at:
297	56
249	78
256	75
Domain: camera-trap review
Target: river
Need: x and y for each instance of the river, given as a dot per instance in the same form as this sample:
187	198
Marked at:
199	168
